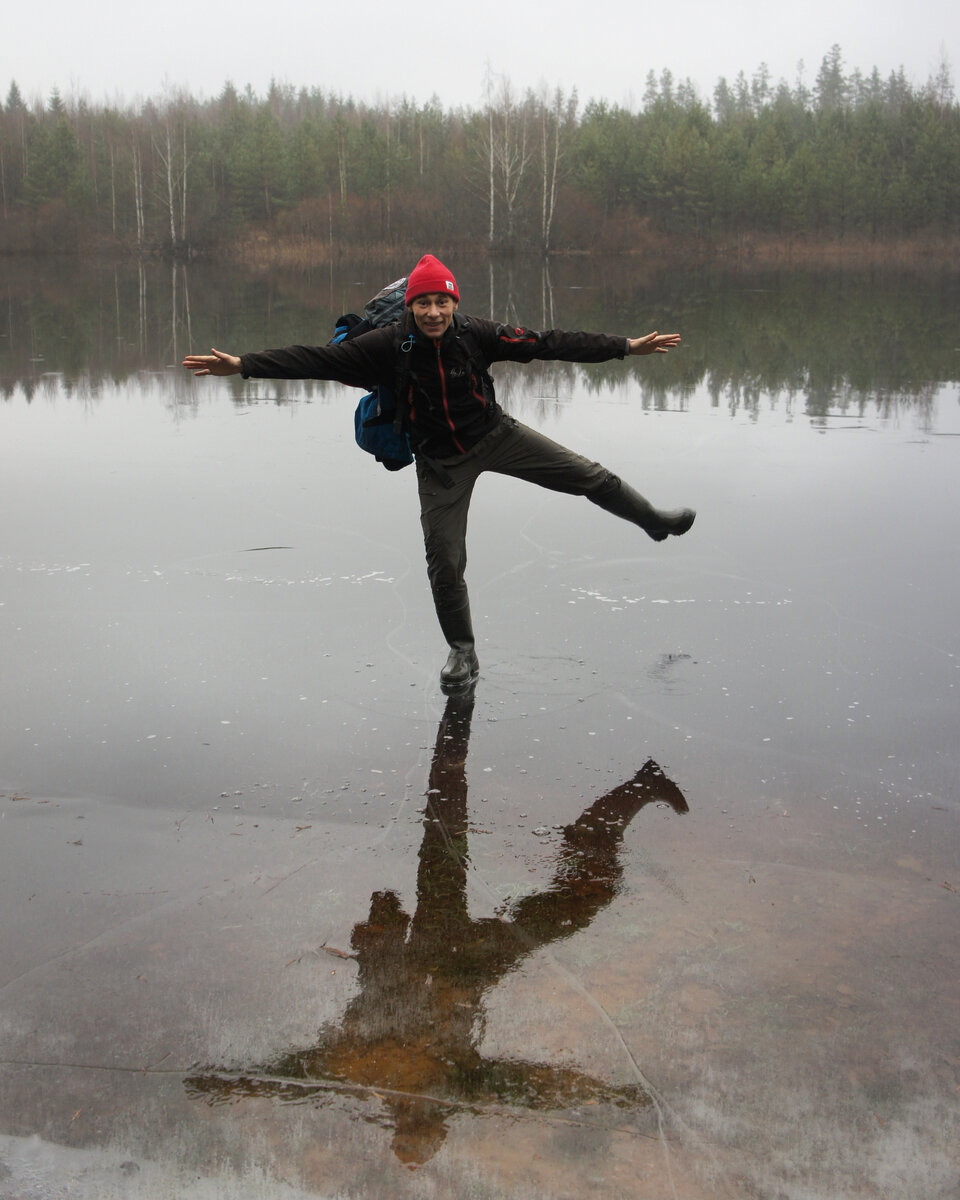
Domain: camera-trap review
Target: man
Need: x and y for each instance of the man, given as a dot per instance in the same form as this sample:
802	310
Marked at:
457	428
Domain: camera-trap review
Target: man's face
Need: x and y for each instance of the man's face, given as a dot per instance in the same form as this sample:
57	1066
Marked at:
432	313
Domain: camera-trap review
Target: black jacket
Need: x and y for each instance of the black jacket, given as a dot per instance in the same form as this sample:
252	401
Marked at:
450	403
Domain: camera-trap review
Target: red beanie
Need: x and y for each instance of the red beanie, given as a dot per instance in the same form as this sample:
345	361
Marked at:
430	275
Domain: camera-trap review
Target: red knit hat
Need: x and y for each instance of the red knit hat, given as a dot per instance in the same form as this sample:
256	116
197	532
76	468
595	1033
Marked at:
430	275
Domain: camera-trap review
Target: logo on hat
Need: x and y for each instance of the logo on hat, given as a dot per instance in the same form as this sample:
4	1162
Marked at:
448	284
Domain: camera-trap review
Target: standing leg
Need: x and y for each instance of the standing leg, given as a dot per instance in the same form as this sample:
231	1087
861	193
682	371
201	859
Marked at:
443	516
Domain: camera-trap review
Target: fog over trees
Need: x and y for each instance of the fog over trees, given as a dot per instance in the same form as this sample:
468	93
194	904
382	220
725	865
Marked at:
836	156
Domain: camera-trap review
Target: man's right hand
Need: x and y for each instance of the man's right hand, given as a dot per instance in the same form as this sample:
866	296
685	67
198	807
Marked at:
654	343
214	363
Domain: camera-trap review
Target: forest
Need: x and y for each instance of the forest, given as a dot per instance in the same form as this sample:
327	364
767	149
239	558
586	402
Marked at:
302	172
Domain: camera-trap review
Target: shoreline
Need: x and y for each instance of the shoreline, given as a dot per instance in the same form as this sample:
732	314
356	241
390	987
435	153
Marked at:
262	251
759	250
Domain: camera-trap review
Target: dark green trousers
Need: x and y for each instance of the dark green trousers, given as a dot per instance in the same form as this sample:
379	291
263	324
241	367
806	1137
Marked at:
509	449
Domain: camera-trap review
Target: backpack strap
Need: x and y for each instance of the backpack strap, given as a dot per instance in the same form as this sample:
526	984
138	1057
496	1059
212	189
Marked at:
475	355
348	326
466	334
402	348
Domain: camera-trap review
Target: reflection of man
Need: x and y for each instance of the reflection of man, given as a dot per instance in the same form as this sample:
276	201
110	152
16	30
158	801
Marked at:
412	1031
456	426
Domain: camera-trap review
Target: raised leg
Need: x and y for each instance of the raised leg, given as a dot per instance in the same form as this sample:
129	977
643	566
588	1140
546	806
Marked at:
527	454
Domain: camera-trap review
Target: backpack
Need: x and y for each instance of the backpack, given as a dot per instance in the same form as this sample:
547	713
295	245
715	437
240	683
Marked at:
379	426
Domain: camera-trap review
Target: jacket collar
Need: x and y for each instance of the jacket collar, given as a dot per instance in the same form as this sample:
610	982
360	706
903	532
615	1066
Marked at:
451	333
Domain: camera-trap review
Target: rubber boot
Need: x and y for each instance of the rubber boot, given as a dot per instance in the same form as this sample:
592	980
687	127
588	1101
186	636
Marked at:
620	805
655	522
462	665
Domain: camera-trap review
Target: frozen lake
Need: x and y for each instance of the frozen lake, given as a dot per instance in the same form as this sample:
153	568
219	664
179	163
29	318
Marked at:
666	908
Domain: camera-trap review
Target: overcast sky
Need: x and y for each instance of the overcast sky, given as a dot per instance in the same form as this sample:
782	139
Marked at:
121	50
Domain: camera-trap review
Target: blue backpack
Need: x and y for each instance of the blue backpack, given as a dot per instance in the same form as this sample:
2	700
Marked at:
378	425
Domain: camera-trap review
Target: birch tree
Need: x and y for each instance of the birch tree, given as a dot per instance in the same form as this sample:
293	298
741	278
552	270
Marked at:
553	119
137	165
507	150
175	172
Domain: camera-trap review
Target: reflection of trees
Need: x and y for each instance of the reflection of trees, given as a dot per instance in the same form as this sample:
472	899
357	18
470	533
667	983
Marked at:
179	312
823	341
412	1032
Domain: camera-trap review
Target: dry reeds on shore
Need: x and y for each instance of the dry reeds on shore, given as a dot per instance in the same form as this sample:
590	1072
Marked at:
264	251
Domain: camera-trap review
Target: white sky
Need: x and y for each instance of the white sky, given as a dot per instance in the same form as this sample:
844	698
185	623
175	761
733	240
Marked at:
121	50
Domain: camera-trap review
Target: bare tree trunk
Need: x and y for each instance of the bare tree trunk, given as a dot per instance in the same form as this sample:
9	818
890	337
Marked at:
173	311
491	232
550	169
142	310
389	172
544	233
514	159
22	129
138	193
168	163
491	176
547	319
176	197
94	177
186	304
113	192
183	188
508	154
342	163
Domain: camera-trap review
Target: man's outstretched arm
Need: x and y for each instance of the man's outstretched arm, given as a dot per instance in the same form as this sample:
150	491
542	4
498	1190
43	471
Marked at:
364	361
653	343
501	343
